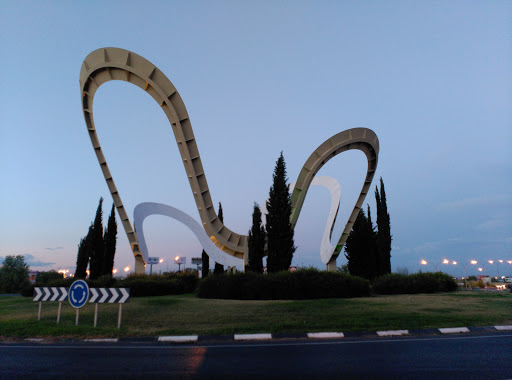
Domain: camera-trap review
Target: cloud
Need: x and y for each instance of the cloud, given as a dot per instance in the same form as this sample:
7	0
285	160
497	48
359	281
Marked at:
54	249
34	262
426	247
491	224
473	202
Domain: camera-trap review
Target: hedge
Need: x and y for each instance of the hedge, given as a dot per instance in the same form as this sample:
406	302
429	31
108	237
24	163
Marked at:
140	285
414	283
302	284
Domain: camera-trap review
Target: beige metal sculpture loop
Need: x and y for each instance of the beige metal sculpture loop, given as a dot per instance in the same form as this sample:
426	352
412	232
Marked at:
108	64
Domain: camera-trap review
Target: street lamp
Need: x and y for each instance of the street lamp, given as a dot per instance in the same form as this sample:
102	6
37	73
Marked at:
498	267
425	262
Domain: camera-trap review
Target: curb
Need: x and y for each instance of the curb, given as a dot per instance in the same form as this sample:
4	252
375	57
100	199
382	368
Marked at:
184	339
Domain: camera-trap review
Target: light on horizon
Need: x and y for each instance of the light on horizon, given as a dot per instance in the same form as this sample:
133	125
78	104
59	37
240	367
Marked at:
491	261
474	262
480	269
454	262
114	271
424	262
126	269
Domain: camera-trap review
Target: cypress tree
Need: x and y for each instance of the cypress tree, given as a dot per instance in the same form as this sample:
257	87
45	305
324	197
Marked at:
109	239
205	264
219	268
96	244
279	230
360	249
82	258
256	242
384	230
373	255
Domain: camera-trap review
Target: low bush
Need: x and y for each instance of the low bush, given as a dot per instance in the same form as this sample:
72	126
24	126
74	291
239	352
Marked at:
302	284
159	285
140	285
414	283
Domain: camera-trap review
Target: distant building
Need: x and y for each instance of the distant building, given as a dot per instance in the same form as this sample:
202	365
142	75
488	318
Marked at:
485	279
32	274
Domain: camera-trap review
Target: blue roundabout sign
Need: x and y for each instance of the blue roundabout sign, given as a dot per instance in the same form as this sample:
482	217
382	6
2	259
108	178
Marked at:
78	294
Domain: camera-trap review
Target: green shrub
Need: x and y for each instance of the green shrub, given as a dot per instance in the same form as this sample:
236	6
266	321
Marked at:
414	283
302	284
140	285
45	277
159	285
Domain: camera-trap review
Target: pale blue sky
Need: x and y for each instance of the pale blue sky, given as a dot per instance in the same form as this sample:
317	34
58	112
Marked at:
432	79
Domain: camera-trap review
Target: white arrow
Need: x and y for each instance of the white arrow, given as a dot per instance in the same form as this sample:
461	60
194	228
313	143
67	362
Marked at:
115	295
47	294
55	292
125	294
105	295
94	295
38	294
64	294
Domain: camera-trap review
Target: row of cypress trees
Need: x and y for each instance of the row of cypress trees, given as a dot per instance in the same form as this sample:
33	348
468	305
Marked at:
98	248
278	232
368	250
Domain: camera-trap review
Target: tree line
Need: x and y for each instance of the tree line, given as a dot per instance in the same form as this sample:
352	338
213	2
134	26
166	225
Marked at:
368	247
368	250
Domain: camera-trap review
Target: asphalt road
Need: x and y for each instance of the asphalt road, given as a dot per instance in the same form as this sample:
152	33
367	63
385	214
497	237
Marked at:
443	357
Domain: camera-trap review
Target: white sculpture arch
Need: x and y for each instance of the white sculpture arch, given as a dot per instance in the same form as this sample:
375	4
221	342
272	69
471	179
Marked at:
143	210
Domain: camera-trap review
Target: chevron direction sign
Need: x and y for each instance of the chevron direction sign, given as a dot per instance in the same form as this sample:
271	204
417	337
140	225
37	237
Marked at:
50	294
109	295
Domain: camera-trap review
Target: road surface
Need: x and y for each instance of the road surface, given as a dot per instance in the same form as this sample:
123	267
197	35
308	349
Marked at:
442	357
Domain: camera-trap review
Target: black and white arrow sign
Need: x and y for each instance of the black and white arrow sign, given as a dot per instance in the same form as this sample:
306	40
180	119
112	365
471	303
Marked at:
50	294
109	295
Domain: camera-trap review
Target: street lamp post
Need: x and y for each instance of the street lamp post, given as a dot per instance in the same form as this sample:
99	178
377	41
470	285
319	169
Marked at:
425	262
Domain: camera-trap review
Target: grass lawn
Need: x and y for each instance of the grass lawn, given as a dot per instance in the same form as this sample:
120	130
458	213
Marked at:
187	315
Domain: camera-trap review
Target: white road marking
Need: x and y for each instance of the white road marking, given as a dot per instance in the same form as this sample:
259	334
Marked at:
178	339
393	332
454	330
253	336
324	335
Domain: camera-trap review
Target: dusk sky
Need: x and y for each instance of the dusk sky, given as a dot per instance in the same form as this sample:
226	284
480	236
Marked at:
433	80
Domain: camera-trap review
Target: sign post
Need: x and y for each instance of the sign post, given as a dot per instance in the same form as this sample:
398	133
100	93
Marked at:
151	261
180	260
50	294
78	296
109	295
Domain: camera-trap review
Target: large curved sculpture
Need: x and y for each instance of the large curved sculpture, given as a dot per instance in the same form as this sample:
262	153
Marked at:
106	64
